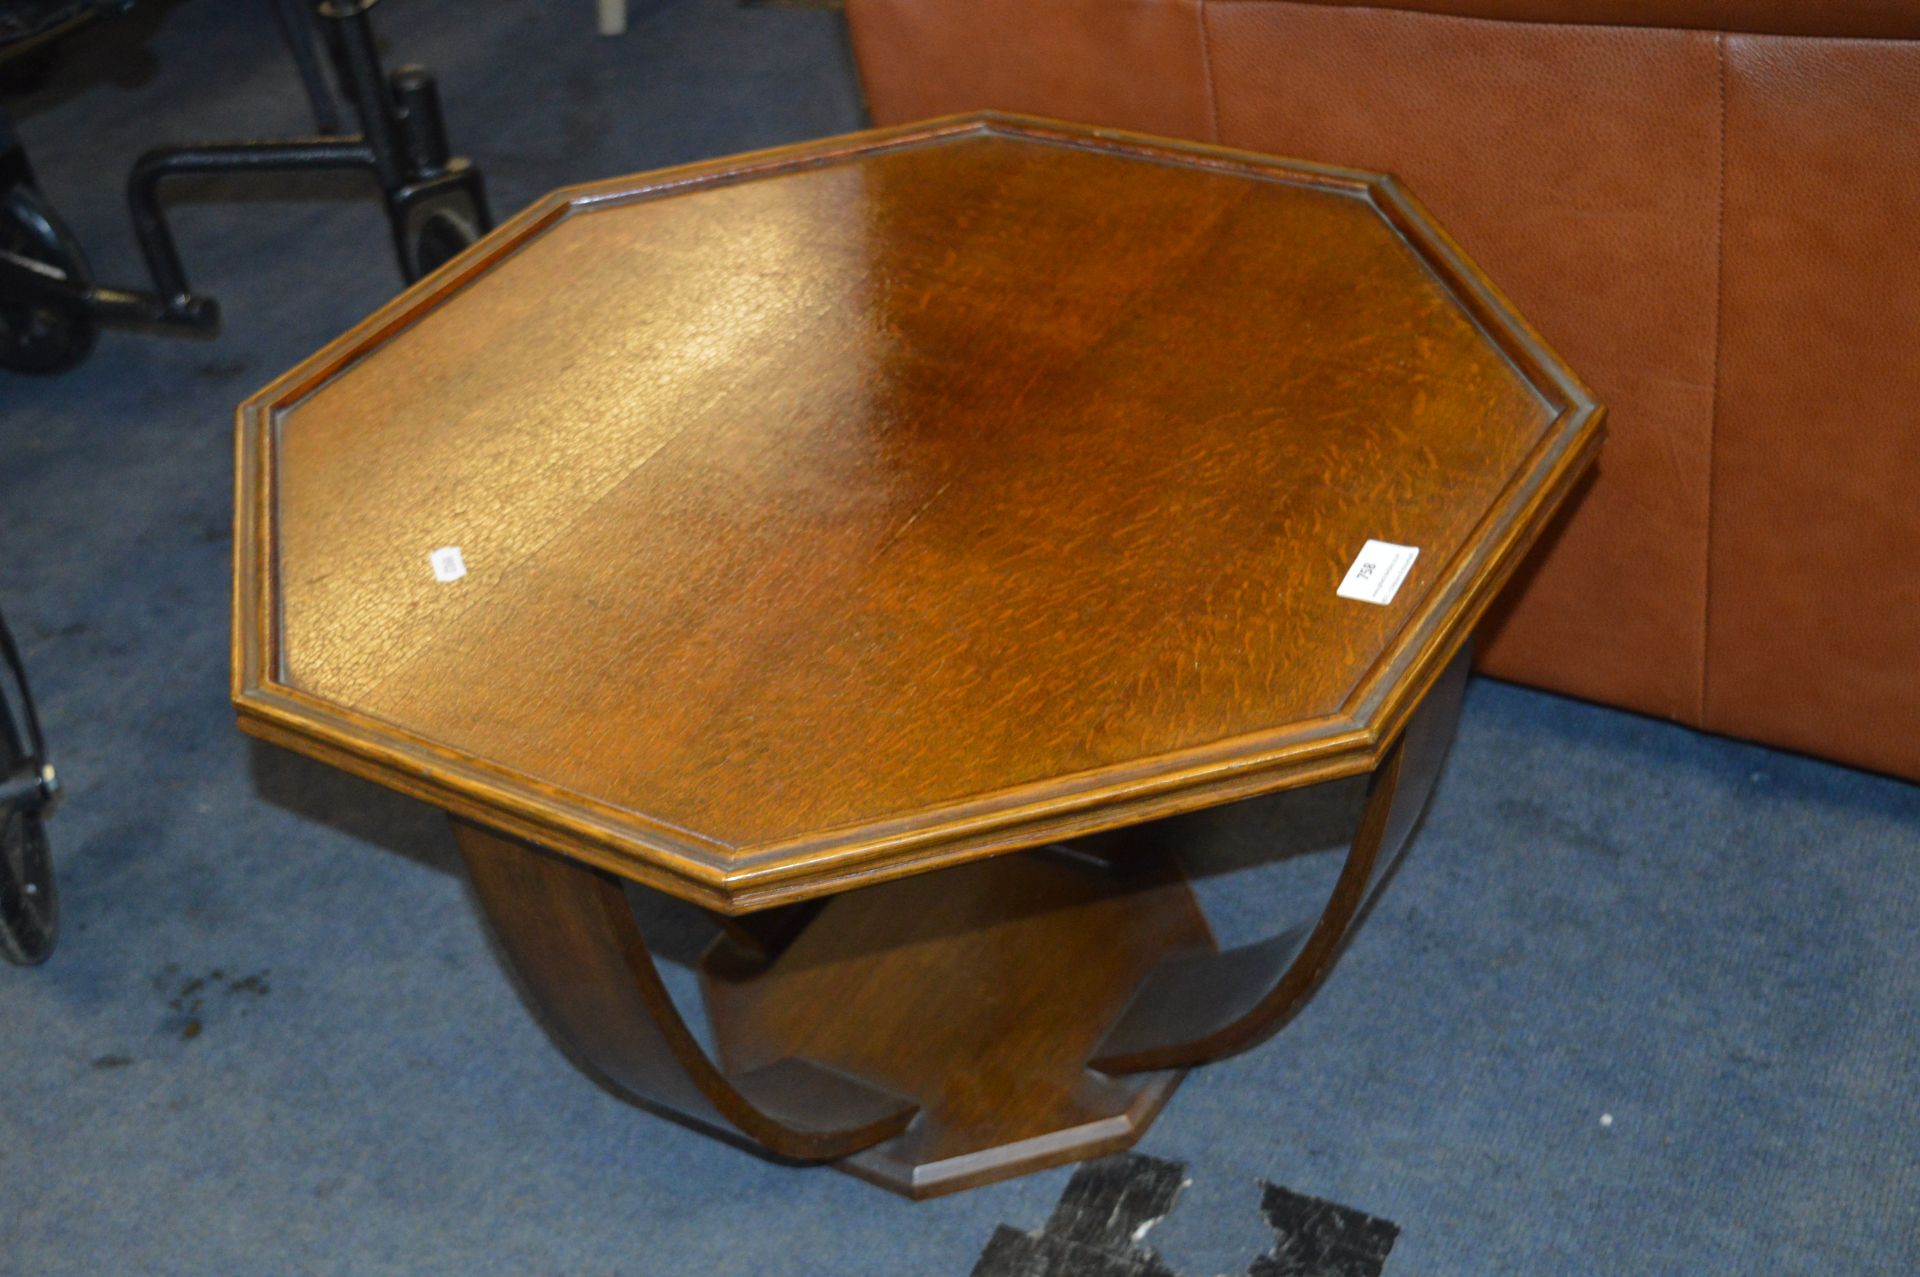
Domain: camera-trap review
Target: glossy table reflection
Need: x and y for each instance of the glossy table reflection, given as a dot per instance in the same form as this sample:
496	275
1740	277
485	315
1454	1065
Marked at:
794	534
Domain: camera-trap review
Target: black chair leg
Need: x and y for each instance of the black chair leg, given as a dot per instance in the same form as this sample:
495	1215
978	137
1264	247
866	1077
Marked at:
296	27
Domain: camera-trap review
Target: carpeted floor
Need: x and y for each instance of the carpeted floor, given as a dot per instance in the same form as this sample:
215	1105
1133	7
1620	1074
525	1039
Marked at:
1641	1001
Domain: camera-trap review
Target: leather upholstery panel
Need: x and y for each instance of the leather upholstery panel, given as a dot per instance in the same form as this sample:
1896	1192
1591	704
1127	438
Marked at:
1872	19
1580	167
1814	628
1136	64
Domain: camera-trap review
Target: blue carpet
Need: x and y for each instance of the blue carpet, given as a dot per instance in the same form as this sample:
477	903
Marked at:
1640	1001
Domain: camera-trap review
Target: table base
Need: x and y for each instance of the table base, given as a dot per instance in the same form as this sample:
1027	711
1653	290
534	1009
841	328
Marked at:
951	1028
981	992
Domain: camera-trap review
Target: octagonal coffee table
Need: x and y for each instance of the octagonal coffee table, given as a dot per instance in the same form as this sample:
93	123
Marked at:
835	537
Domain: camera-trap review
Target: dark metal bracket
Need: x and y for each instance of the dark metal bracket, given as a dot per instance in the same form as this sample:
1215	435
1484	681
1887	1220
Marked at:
436	202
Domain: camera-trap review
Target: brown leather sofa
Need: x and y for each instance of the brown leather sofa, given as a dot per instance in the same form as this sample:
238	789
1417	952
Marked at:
1710	207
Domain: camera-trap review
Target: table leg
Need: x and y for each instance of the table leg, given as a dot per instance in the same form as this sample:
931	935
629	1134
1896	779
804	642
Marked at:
570	934
1201	1007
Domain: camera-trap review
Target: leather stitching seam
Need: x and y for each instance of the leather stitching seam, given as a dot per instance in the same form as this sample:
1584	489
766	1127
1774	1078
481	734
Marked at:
1206	68
1713	411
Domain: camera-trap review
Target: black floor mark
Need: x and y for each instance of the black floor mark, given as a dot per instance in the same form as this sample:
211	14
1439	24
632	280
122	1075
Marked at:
1108	1206
1313	1238
1096	1229
191	995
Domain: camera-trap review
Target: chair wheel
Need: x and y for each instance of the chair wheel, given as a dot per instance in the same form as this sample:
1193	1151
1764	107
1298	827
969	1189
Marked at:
38	338
29	907
436	234
29	904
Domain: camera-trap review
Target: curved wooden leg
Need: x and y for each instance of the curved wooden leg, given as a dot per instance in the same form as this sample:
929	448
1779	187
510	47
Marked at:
1202	1007
571	936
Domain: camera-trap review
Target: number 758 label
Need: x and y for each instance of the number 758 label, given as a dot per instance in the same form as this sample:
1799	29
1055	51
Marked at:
1376	575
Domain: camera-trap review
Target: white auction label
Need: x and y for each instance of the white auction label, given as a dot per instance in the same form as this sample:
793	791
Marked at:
447	563
1376	575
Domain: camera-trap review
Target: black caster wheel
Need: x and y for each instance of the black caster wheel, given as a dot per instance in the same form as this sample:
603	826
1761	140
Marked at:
436	233
29	906
38	338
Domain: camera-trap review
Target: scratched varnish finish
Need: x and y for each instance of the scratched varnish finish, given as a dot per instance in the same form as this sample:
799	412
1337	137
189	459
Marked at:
882	502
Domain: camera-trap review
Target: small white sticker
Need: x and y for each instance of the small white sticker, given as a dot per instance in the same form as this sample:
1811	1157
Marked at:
1376	575
447	563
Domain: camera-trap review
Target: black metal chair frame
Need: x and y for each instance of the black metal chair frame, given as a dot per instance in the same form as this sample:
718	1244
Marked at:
435	202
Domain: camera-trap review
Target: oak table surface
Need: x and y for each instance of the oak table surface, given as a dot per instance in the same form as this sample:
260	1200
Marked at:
847	510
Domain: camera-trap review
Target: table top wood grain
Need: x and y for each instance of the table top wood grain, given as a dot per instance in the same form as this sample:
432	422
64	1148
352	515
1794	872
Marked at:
841	511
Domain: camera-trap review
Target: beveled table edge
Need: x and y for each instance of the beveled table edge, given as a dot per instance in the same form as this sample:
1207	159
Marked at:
738	879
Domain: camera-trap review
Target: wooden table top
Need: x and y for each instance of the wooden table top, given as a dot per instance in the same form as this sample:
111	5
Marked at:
841	511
